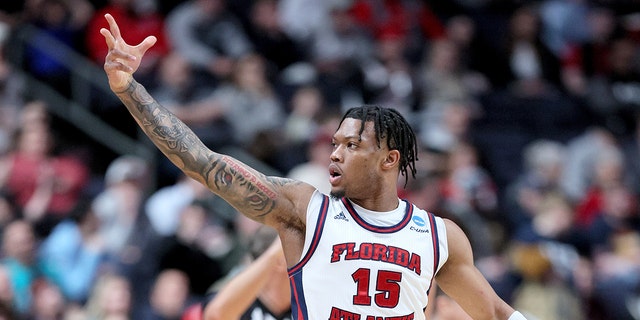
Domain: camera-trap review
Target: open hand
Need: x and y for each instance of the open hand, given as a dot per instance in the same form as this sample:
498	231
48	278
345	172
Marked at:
122	59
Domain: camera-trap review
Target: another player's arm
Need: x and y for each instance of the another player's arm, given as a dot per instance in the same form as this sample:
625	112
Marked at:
463	282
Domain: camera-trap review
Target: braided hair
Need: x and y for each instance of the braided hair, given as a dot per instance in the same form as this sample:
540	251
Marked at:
389	124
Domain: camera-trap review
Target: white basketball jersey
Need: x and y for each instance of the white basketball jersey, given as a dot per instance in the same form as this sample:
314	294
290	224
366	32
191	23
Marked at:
354	266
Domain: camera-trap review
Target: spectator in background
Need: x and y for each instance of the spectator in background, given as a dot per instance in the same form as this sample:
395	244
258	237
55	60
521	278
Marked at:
339	51
270	40
613	238
544	167
118	205
305	108
7	306
249	92
142	19
75	250
534	68
111	299
131	245
442	77
12	92
45	185
445	123
631	148
612	95
314	171
475	54
202	248
470	194
260	290
210	37
48	301
20	259
583	61
607	170
58	22
169	296
189	97
182	90
389	78
164	206
301	19
550	267
8	211
581	152
415	21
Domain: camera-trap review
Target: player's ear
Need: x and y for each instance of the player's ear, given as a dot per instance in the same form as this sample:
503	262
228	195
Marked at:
392	159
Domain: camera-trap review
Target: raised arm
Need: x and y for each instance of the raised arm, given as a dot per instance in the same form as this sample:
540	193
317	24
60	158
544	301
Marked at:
462	281
280	203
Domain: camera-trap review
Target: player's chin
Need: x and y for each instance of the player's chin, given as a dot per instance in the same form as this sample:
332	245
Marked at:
337	193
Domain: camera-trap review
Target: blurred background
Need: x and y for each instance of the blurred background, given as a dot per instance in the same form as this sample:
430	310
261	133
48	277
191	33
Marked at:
527	115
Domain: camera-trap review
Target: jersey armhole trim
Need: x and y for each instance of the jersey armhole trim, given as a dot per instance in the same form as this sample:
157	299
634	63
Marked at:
324	209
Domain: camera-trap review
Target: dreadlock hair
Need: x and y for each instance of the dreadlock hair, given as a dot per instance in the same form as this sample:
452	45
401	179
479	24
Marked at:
389	124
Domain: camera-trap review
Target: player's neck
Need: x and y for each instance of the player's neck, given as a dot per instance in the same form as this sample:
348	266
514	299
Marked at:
379	204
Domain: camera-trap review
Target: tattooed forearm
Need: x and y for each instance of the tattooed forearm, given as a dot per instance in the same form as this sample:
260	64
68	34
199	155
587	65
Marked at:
169	134
247	190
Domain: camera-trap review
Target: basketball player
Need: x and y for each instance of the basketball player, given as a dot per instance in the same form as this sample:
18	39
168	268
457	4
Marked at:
361	254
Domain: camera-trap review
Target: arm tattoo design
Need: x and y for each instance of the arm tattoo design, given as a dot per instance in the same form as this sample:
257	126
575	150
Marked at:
169	134
252	193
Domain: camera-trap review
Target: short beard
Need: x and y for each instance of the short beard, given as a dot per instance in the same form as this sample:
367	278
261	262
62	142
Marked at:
337	195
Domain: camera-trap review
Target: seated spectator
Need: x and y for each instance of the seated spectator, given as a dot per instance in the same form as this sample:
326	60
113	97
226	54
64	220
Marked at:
76	250
339	51
48	301
58	22
181	90
249	92
111	299
314	170
208	35
270	39
45	185
543	163
19	248
169	296
201	248
613	240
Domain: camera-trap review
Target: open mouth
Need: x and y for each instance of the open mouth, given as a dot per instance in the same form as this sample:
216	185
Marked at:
334	174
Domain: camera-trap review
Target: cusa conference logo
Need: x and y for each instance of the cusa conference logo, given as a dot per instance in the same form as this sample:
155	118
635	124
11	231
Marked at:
419	221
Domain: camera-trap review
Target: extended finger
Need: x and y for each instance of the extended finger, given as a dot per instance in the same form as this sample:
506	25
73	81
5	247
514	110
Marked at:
115	30
108	38
147	43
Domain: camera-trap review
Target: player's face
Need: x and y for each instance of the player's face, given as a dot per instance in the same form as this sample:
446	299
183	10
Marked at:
354	171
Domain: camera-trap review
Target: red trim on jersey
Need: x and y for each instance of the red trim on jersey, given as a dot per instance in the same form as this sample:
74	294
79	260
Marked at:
436	246
324	209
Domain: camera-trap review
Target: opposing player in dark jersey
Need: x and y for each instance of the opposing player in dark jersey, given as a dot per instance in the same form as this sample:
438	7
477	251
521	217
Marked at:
379	274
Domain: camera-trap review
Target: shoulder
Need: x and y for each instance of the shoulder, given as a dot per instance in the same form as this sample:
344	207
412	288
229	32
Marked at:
459	245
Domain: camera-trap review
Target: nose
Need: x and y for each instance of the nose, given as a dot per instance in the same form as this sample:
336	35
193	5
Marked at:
336	155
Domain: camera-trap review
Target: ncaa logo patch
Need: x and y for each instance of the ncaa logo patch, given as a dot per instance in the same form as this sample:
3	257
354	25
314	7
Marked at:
419	221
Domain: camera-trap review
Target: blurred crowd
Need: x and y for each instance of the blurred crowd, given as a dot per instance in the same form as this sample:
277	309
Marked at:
527	115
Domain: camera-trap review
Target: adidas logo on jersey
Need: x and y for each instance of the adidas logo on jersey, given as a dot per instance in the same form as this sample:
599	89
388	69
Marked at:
341	216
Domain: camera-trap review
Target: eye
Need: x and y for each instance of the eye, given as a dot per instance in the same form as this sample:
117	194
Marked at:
351	145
